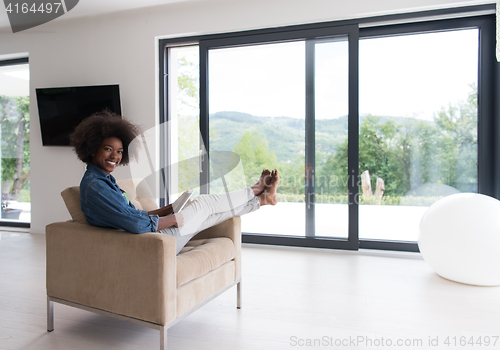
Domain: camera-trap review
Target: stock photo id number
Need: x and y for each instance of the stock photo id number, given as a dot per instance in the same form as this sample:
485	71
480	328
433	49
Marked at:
44	7
26	14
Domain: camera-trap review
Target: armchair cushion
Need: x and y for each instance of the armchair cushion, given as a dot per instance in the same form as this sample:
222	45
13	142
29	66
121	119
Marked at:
201	256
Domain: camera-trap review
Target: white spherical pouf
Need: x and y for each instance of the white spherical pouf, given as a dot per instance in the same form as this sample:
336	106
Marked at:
460	238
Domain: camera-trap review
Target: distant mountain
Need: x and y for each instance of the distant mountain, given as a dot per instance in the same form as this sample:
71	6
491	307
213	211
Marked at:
285	135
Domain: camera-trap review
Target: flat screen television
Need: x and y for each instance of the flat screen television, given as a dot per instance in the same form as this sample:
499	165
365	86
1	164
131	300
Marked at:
61	109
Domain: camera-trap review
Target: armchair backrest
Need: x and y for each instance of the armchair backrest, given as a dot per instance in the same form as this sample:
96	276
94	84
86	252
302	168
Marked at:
137	190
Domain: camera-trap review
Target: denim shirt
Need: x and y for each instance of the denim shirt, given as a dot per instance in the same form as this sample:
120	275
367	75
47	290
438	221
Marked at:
104	205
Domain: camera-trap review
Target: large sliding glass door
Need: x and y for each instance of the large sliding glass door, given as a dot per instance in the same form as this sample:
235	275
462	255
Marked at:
286	103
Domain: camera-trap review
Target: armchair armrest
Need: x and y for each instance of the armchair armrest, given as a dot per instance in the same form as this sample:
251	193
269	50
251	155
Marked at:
139	279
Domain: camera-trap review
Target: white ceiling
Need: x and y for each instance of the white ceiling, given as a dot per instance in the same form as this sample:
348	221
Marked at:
94	7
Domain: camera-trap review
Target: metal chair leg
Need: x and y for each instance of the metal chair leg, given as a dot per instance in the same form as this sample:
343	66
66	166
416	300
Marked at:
50	315
238	295
163	338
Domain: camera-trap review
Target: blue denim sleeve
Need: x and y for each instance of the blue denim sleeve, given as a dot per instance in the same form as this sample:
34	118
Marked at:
105	207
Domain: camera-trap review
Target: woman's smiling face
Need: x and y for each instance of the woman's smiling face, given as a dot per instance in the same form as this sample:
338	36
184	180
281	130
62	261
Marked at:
108	155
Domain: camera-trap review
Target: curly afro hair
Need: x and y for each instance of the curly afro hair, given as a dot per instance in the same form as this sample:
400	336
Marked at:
92	131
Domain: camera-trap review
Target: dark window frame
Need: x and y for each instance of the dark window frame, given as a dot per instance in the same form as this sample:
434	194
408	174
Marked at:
420	22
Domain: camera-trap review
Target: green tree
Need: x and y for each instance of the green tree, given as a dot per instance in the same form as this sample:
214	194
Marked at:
458	143
332	176
407	153
15	124
188	140
384	149
187	82
254	152
292	176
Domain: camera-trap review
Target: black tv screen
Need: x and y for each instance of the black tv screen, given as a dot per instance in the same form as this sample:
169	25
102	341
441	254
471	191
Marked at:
62	109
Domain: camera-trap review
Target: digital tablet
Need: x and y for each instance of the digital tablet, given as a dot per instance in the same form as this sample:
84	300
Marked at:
181	201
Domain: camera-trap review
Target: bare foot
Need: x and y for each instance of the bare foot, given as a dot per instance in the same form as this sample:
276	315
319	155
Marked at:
263	183
269	196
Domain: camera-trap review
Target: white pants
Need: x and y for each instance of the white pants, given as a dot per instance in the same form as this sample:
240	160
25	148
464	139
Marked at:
209	210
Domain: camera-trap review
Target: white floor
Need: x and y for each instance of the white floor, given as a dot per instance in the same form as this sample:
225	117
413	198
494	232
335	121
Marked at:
385	222
291	298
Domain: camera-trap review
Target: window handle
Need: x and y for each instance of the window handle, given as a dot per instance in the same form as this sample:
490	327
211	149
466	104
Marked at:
201	158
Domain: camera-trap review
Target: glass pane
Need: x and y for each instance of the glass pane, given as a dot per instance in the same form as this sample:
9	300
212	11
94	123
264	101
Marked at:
184	120
257	110
331	112
14	140
418	127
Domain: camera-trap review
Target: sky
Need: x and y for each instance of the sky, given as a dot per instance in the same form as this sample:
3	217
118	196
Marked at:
409	75
14	80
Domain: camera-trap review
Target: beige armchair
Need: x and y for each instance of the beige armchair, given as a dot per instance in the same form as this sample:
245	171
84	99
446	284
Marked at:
138	278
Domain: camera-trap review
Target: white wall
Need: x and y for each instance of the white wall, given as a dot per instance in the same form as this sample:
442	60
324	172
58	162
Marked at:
121	49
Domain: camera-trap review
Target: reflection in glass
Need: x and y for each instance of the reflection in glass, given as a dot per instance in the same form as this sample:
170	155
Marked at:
184	120
331	112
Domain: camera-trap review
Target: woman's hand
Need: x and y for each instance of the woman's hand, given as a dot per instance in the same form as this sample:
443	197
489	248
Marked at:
190	201
176	220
